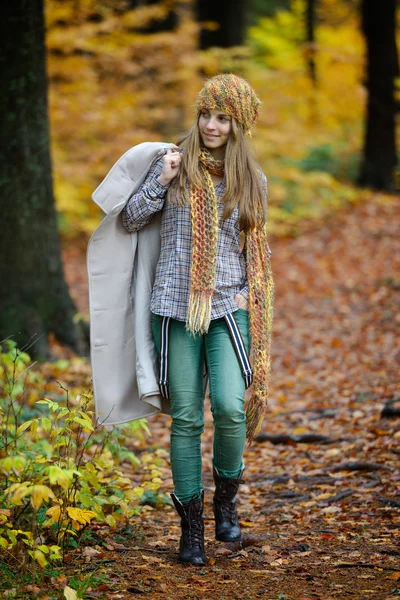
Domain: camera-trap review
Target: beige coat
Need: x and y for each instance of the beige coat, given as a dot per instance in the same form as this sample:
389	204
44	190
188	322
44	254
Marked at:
121	270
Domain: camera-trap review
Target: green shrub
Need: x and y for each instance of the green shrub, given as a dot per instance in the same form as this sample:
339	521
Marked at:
329	159
58	471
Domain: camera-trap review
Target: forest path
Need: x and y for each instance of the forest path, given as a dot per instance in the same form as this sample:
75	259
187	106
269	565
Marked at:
320	517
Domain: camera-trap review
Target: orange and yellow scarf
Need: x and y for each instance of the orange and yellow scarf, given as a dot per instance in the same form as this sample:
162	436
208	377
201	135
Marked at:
204	216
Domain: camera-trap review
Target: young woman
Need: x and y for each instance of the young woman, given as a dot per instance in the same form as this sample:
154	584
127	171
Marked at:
212	294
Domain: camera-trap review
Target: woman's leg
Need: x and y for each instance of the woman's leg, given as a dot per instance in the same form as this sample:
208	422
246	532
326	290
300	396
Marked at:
185	383
185	379
227	387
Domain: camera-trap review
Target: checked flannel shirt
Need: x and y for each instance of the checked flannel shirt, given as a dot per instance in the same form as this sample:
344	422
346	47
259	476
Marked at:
170	296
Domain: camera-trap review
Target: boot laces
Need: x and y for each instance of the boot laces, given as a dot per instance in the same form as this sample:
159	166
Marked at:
226	495
228	509
195	525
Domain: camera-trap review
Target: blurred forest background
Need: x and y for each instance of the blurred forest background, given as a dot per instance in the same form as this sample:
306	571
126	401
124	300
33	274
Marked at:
83	81
126	72
121	72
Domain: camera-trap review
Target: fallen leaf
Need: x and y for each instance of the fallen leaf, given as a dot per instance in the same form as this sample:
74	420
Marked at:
327	536
331	509
276	563
247	524
90	553
223	551
69	593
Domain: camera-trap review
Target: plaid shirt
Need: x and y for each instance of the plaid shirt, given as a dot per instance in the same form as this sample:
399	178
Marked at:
171	288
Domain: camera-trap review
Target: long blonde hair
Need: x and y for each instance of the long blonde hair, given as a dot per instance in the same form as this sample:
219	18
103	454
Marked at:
244	184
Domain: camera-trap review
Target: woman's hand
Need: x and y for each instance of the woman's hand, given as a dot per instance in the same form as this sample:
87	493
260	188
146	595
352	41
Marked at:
241	301
170	169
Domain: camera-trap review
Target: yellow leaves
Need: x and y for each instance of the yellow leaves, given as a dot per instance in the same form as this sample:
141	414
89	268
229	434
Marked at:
24	427
40	494
13	464
138	491
146	14
81	516
43	552
87	427
111	520
89	474
247	524
62	477
69	593
78	516
40	557
54	512
17	492
76	477
46	424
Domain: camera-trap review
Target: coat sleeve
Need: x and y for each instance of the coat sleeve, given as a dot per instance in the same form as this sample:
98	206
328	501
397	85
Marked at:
149	199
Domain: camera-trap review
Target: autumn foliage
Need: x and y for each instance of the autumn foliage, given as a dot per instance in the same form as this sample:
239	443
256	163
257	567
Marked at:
59	471
84	512
113	86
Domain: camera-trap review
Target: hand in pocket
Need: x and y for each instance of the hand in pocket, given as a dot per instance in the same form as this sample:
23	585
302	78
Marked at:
241	301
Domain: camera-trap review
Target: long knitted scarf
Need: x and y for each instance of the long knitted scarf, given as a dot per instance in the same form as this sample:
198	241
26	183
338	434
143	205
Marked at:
204	215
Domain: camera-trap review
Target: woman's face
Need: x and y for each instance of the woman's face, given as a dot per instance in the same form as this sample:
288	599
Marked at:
215	128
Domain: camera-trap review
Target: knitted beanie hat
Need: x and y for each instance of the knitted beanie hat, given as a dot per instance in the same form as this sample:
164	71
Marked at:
233	96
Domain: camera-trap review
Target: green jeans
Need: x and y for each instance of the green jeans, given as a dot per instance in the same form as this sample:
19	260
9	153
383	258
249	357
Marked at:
187	358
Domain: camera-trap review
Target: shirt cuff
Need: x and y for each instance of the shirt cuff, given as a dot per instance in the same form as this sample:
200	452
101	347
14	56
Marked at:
157	189
244	291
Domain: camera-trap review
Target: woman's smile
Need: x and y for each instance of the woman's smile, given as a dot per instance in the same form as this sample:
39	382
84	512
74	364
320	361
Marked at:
215	128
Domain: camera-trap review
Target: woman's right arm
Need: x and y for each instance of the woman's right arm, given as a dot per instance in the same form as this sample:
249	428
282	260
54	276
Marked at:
149	199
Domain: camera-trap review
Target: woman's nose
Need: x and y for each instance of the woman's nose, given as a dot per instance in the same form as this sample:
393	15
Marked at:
210	124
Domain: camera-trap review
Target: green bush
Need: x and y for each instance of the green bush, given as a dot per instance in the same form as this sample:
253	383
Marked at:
329	159
58	471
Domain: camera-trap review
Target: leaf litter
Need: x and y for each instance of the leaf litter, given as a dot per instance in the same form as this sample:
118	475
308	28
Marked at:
320	510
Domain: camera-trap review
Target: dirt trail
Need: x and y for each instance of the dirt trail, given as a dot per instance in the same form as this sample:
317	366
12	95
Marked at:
320	519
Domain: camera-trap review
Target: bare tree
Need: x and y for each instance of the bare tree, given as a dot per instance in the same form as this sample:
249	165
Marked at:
310	29
230	17
379	156
34	298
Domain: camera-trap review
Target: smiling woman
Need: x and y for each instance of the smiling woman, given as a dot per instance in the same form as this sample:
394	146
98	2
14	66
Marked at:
215	128
211	296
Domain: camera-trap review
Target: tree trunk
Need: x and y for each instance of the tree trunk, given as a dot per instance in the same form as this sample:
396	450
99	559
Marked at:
230	17
379	159
310	26
34	298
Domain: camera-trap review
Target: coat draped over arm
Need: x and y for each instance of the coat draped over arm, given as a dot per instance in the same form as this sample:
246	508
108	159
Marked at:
121	270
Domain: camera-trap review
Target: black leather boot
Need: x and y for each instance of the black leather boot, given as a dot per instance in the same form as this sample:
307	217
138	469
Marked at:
227	528
191	546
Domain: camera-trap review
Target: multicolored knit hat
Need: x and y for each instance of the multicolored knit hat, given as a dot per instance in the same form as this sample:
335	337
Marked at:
233	96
